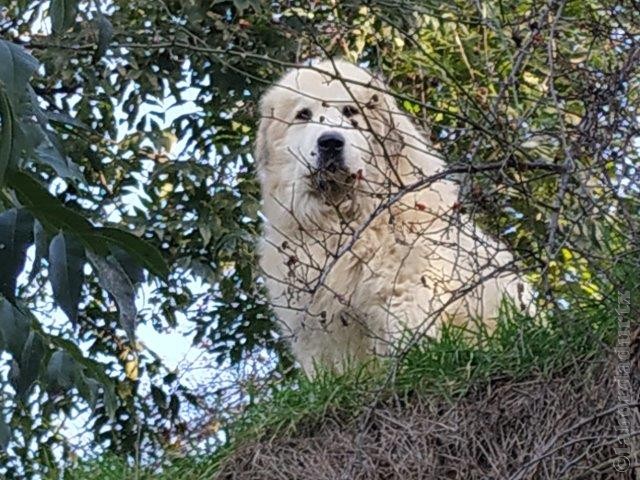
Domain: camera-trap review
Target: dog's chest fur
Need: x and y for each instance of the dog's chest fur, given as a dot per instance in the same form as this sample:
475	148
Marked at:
332	285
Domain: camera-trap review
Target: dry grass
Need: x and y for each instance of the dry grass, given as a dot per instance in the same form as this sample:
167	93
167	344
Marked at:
561	427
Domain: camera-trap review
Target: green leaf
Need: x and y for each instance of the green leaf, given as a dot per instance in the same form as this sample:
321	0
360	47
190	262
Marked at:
61	370
91	370
41	242
242	5
143	253
63	118
28	136
66	263
16	234
64	371
105	34
133	270
47	208
159	397
5	433
16	68
89	389
14	327
7	135
29	363
110	400
115	280
63	14
46	153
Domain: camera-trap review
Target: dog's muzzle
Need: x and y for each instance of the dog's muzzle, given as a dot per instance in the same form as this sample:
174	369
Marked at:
331	177
331	152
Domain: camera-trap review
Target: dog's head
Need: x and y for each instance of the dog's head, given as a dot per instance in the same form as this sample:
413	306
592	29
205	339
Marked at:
329	131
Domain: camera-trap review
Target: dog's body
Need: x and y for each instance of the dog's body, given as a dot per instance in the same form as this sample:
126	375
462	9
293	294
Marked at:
361	243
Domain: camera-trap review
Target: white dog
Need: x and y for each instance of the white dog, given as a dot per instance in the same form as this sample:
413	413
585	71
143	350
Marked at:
363	241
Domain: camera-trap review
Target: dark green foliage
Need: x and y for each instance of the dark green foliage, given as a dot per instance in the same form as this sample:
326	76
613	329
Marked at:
16	234
14	327
66	262
63	14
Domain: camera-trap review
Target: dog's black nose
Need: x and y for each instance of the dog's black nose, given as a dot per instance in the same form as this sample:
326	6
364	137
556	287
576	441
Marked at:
331	150
330	144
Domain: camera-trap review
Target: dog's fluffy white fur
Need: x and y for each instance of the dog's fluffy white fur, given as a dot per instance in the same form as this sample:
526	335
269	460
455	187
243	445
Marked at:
354	259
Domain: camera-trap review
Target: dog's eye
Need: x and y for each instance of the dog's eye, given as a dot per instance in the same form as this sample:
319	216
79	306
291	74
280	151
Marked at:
304	115
349	111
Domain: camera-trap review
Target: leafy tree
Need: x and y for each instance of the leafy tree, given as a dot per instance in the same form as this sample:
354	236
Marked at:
125	160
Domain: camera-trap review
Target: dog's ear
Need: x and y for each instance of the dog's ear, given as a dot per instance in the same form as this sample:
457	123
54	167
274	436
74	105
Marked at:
391	125
275	106
406	146
266	112
397	125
